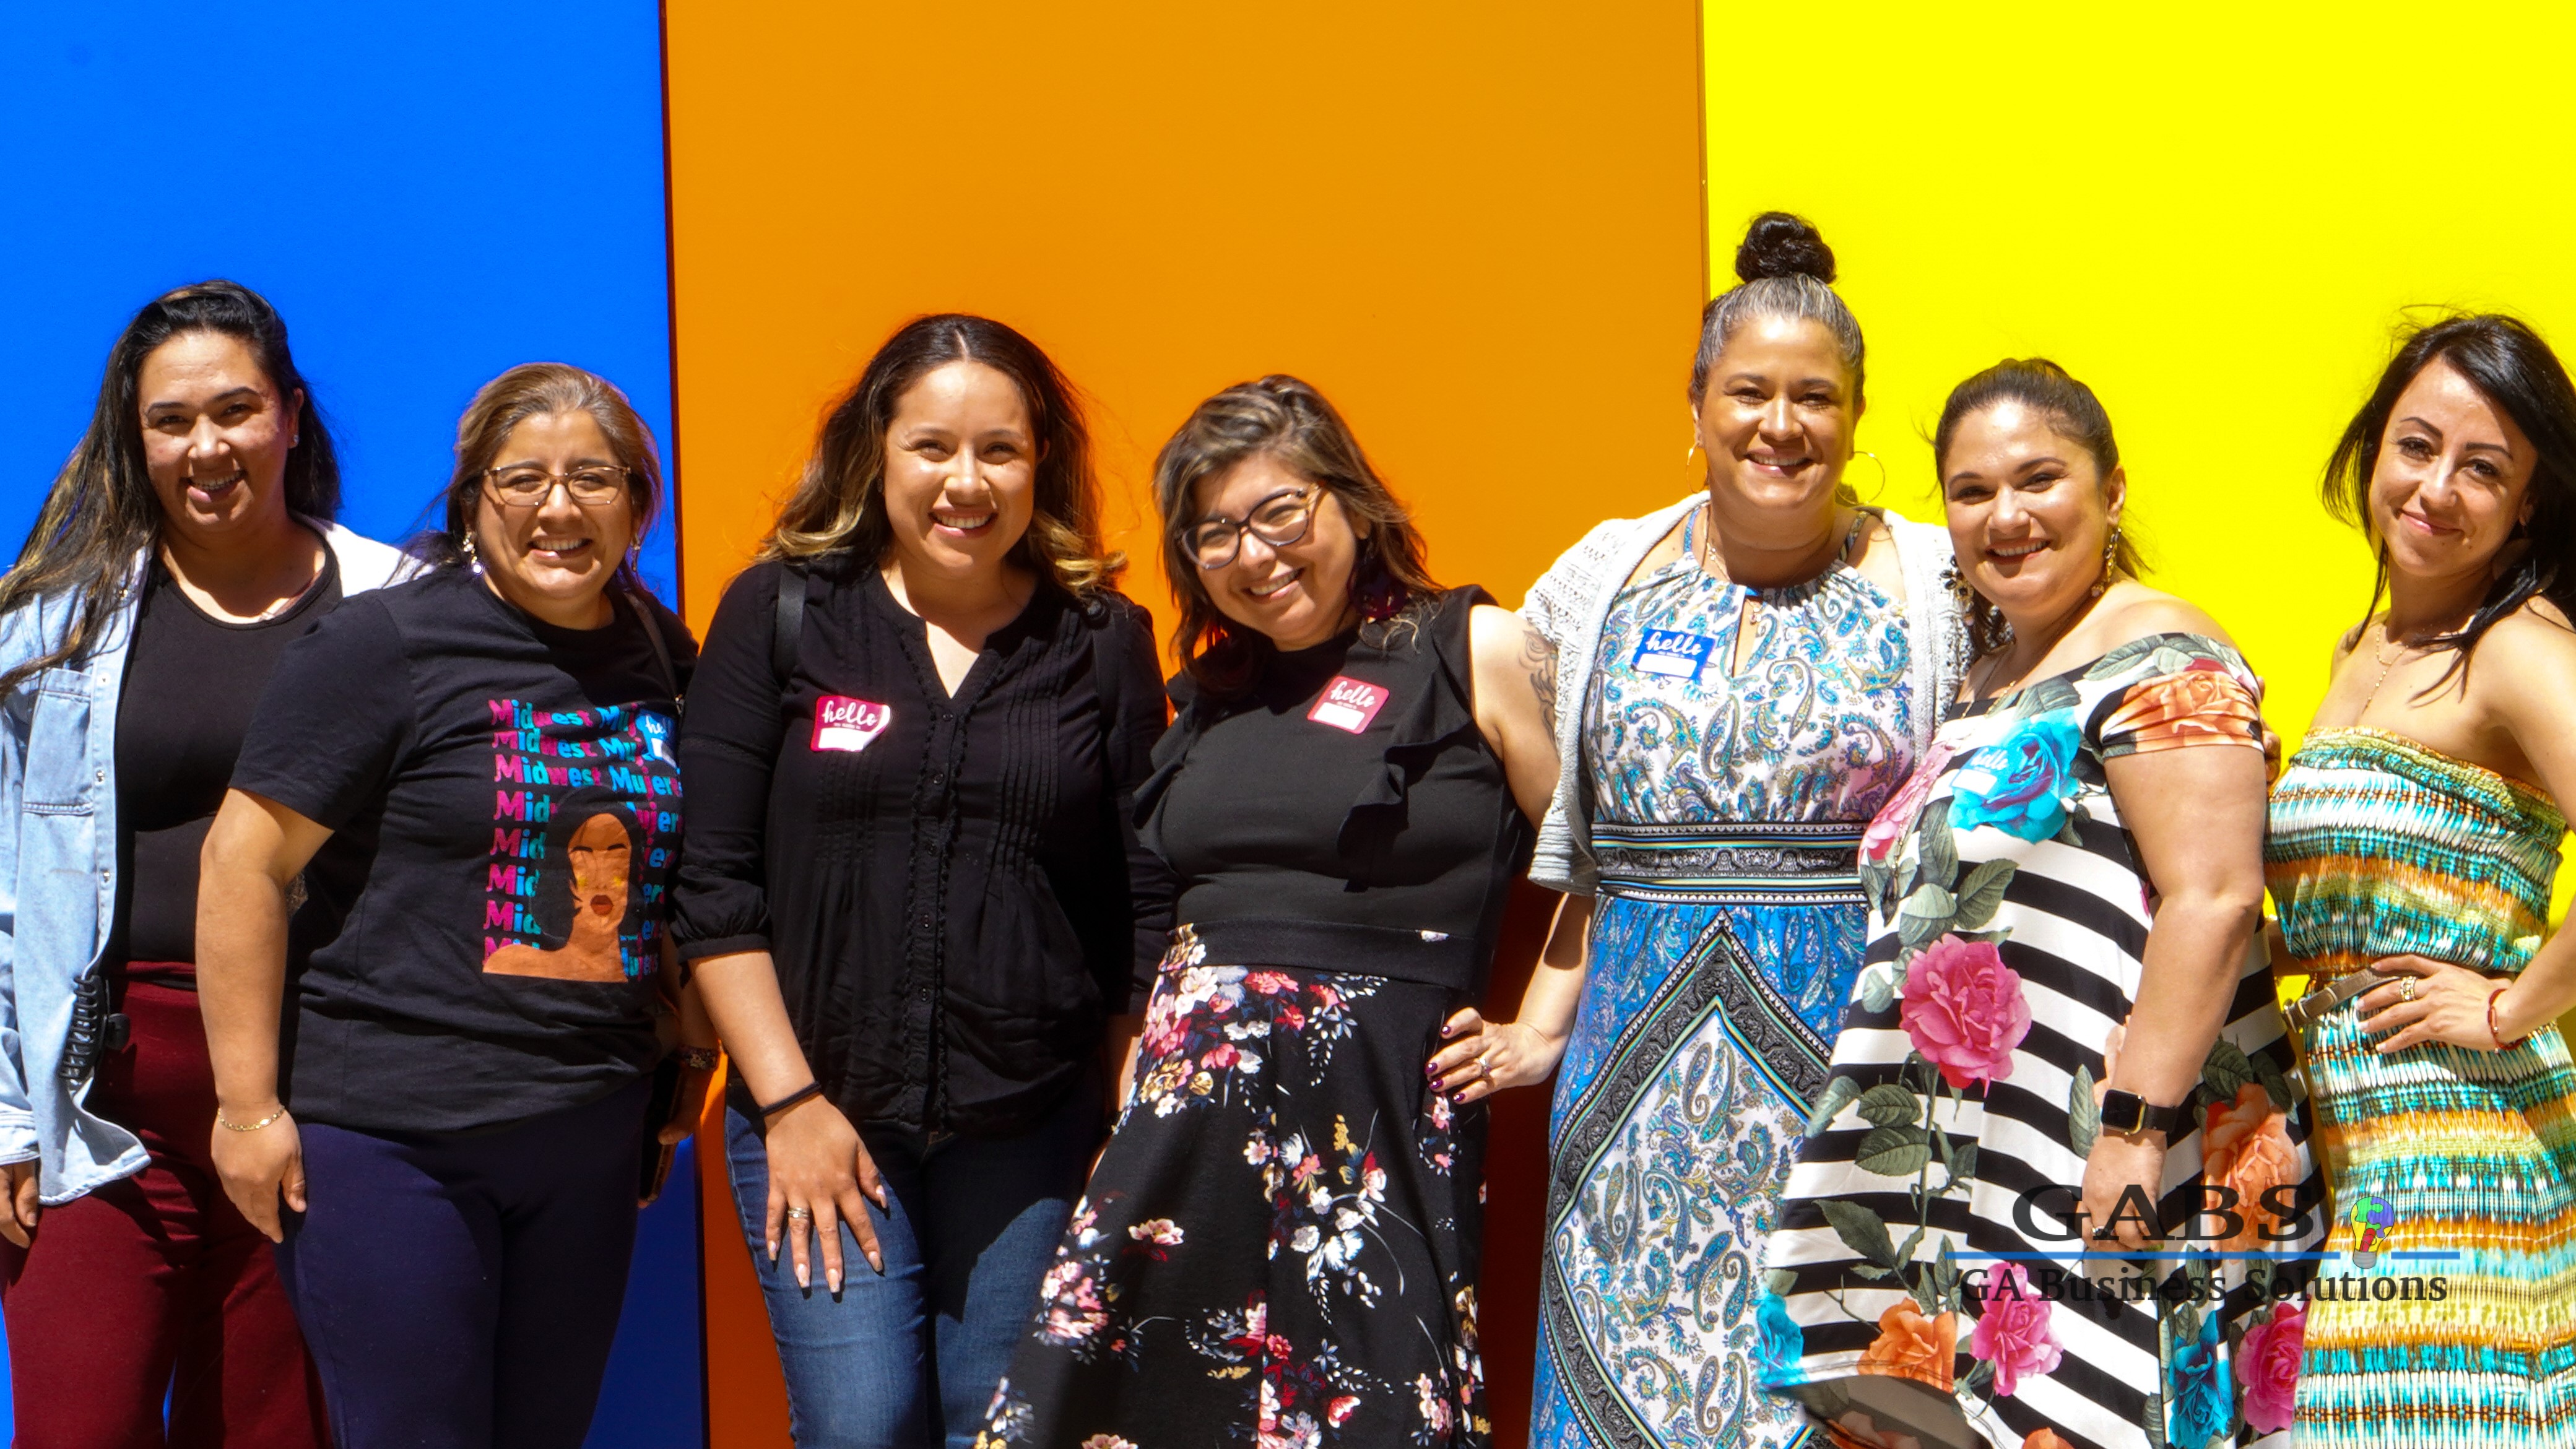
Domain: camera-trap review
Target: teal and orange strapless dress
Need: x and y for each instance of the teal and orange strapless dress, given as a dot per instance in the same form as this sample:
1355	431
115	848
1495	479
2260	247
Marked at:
2445	1314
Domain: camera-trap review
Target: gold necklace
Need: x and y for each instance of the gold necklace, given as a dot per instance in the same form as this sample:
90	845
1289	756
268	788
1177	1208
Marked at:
2387	661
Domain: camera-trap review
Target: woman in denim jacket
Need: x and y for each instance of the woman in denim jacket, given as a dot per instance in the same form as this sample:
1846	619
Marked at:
186	540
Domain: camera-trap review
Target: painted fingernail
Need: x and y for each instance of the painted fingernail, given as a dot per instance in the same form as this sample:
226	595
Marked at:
834	1279
802	1279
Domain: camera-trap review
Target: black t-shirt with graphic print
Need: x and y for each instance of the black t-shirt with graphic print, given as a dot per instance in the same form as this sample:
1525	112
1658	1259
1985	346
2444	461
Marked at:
514	786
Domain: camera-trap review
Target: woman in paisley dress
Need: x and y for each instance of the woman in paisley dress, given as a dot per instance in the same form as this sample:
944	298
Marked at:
2413	840
1747	676
2066	1025
1279	1247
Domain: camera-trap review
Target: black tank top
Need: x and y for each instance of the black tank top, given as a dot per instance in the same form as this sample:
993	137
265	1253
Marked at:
1344	813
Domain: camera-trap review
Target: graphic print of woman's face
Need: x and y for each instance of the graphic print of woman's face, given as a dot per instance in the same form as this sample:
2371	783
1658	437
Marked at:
600	856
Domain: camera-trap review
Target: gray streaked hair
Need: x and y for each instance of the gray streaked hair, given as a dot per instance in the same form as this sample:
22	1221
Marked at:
1787	272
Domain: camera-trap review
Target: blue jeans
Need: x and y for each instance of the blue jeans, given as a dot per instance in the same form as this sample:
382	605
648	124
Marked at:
909	1360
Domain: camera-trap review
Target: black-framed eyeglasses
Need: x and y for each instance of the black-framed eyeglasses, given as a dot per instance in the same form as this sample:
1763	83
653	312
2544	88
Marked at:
529	487
1278	520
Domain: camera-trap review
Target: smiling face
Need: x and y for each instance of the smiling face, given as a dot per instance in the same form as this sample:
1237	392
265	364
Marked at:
1299	594
1777	419
960	470
215	437
555	559
2029	511
2452	480
599	855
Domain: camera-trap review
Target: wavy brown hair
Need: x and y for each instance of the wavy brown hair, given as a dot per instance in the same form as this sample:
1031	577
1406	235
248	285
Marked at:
1284	419
534	390
102	513
839	503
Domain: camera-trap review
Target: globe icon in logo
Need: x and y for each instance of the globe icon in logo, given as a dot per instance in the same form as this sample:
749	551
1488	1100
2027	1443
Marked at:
2373	1218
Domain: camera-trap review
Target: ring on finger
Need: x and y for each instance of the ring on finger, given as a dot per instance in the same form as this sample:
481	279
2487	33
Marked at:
800	1215
2406	989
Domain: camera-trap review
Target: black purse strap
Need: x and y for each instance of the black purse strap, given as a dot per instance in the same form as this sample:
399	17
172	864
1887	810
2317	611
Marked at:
789	623
643	608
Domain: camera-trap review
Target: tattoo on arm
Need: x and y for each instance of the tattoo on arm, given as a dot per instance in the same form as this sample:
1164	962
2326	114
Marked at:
1539	656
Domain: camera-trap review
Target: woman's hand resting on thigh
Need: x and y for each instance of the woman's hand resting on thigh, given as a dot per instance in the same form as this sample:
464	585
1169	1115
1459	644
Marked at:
260	1166
19	1208
818	1166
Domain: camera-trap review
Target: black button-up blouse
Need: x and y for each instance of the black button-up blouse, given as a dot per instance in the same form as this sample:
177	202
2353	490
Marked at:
950	886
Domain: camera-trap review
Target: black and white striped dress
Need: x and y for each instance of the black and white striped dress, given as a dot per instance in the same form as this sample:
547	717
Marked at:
1924	1235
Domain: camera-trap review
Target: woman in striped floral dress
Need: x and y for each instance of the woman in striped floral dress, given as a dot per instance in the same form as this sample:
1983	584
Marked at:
2064	1025
2413	840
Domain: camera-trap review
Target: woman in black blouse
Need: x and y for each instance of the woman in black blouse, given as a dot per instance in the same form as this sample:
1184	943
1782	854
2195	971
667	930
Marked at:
912	895
1280	1243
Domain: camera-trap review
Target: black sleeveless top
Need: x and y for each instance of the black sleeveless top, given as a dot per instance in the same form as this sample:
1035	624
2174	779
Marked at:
1344	813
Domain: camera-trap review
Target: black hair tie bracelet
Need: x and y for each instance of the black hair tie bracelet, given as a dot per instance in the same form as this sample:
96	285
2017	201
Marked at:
810	1089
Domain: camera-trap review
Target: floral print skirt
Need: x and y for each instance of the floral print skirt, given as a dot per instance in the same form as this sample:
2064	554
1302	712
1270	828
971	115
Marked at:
1279	1245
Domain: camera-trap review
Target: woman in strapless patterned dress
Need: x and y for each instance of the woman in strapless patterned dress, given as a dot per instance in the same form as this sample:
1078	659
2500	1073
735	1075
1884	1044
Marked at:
2412	843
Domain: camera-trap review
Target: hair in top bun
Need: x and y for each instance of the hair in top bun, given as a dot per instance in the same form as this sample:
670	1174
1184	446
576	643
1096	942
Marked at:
1788	271
1780	245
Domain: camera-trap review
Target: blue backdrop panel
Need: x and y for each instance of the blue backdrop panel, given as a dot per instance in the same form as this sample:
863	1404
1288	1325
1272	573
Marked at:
429	194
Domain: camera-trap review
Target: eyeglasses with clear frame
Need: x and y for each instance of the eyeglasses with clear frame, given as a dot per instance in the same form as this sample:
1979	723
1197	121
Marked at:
529	487
1278	520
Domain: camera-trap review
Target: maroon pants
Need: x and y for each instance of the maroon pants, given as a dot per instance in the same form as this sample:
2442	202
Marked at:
155	1283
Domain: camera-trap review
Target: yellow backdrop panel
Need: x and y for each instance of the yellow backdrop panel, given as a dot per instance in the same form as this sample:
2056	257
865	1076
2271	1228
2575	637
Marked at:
2213	215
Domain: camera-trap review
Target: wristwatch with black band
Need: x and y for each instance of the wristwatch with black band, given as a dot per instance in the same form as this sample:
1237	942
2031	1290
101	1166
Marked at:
2129	1114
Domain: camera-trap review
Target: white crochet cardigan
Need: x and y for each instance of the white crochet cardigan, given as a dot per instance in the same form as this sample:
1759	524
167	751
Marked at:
1569	603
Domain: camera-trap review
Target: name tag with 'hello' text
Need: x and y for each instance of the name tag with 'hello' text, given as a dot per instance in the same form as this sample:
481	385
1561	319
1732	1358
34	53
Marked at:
843	723
1348	704
1672	653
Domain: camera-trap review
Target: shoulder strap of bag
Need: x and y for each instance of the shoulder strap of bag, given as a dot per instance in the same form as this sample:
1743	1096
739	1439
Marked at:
1108	669
643	608
788	625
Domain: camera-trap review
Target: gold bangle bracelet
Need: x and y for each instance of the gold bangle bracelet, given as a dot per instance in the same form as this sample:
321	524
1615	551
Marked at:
253	1127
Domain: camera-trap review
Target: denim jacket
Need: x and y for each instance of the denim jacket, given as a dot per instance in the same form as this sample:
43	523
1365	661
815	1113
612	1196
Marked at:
58	867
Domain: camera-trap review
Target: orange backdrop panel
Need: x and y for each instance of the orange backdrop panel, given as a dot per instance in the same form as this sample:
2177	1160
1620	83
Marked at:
1477	227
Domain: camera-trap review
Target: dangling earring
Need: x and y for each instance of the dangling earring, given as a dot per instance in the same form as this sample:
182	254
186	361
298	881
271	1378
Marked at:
2110	563
473	560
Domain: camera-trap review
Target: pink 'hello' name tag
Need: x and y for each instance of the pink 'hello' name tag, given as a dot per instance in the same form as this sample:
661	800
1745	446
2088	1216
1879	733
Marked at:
1348	704
843	723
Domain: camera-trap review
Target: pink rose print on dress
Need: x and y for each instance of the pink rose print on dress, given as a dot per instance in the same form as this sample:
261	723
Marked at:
1892	820
1964	1010
2012	1330
2267	1364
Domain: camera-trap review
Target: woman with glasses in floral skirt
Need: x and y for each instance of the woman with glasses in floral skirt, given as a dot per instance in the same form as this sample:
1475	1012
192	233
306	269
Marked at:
1280	1243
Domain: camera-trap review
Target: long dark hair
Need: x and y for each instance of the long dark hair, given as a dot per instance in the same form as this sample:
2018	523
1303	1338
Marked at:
1282	418
2512	368
531	390
102	511
839	503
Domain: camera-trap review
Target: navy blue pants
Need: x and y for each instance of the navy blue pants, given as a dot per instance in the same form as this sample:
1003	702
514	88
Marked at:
460	1290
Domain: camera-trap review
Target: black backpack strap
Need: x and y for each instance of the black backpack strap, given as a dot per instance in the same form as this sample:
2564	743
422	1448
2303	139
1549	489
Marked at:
643	607
789	624
1109	669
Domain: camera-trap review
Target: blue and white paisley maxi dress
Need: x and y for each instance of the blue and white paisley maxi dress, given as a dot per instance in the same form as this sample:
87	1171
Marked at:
1728	798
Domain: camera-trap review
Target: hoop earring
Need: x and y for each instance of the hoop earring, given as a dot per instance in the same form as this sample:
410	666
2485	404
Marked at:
1882	468
2110	564
1691	452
